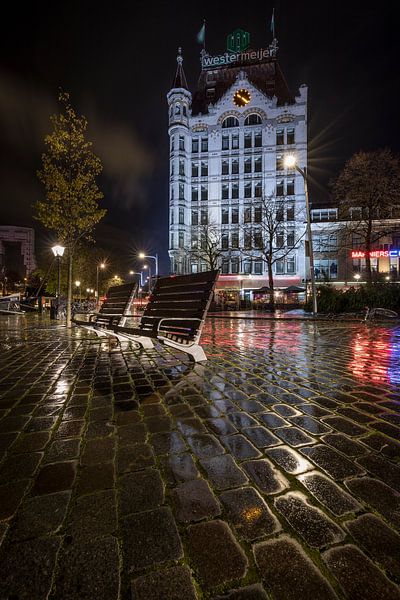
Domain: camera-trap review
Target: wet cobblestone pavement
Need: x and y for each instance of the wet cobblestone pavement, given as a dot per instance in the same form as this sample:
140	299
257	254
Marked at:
270	471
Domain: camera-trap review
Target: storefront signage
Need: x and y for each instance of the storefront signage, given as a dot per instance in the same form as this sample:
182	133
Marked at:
375	253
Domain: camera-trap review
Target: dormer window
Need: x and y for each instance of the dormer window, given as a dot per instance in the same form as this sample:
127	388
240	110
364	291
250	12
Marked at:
230	122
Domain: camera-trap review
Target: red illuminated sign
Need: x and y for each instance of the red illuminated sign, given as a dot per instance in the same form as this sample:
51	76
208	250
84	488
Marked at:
375	253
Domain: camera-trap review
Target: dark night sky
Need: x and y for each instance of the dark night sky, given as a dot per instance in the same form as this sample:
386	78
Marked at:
117	59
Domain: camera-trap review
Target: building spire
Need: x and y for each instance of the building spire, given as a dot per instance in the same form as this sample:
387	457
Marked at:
180	78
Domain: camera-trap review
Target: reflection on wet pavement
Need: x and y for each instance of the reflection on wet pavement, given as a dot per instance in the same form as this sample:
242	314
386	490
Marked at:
123	469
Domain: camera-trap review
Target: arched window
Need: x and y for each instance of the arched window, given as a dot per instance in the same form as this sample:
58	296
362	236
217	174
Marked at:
253	119
177	109
230	122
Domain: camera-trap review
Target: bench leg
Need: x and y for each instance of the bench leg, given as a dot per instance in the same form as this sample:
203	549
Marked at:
195	351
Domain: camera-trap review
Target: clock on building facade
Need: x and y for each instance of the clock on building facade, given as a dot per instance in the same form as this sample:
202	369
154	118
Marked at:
241	98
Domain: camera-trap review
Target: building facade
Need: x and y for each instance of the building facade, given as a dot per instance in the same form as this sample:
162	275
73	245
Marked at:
340	253
227	143
17	251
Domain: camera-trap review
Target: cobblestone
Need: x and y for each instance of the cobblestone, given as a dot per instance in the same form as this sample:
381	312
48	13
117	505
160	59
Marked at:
358	576
126	472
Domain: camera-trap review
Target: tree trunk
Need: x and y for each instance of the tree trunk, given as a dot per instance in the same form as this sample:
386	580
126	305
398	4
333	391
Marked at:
367	253
69	288
271	285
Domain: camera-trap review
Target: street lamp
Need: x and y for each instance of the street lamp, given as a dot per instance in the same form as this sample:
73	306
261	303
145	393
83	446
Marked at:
102	265
78	285
143	255
290	162
58	251
357	276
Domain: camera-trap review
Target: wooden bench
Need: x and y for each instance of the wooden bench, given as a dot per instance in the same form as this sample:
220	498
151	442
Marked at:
174	315
114	310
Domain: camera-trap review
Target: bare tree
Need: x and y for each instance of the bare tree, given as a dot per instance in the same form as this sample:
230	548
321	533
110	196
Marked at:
206	248
368	193
274	233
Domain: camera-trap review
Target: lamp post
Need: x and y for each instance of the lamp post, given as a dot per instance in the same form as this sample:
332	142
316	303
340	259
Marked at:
149	277
58	251
142	255
102	265
290	162
137	273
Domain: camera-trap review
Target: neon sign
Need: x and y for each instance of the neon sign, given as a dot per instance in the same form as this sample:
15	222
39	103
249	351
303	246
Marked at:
375	253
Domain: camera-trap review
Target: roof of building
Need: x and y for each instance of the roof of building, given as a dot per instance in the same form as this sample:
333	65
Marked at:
267	76
179	81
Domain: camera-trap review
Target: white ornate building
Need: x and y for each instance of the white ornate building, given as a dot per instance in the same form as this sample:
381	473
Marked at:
227	142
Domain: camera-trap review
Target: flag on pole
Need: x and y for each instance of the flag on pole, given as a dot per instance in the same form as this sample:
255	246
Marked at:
273	23
201	36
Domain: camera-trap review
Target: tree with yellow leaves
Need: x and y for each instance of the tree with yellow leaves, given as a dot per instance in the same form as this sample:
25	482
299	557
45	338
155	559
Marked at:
69	171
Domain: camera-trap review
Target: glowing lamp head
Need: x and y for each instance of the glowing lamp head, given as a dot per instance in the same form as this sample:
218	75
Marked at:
142	255
77	283
357	276
131	273
290	161
102	265
58	250
145	267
